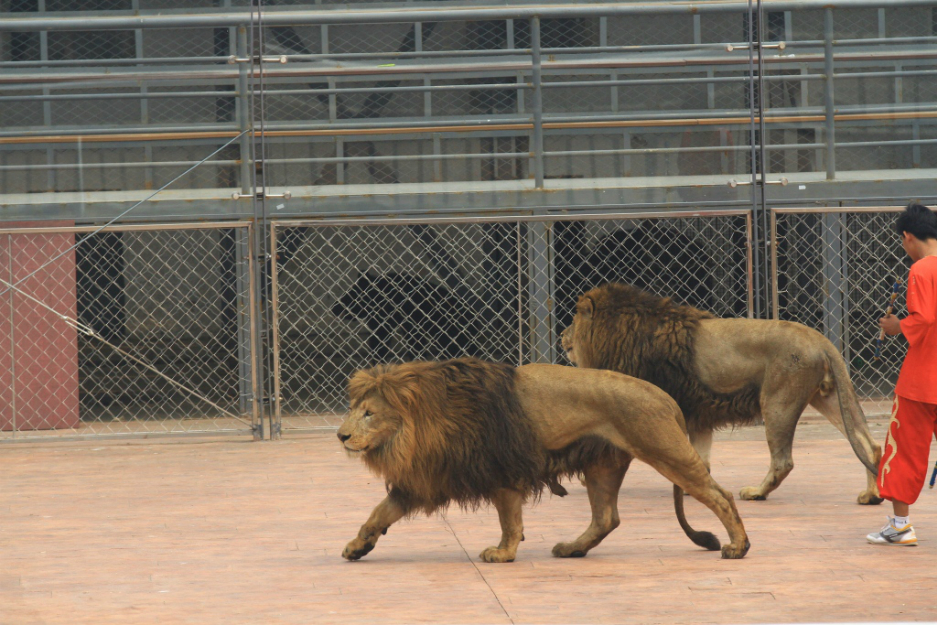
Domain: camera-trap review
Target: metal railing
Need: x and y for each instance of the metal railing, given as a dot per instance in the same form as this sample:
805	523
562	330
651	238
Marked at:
469	95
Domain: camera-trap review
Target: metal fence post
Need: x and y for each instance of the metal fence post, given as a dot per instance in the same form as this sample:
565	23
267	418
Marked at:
243	284
257	368
541	291
276	413
829	90
538	103
244	111
9	239
835	283
755	164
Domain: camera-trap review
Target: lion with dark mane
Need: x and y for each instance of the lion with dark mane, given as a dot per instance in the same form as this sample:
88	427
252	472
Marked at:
723	372
471	432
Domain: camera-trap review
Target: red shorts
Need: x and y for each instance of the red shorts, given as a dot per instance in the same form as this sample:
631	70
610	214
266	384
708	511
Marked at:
904	466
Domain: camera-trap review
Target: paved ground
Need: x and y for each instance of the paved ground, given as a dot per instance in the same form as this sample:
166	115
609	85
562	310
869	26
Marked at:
241	532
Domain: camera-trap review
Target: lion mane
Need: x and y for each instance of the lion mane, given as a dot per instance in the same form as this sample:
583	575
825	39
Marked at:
464	435
652	338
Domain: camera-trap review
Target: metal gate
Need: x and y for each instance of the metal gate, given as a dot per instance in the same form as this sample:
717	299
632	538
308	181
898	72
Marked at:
833	270
127	331
354	293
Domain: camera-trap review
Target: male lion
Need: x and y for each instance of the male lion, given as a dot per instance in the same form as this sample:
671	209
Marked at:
473	432
723	372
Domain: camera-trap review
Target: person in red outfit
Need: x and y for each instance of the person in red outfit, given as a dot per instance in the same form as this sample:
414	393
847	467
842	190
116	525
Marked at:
904	465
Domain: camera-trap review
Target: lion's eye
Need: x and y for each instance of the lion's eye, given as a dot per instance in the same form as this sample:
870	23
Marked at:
368	414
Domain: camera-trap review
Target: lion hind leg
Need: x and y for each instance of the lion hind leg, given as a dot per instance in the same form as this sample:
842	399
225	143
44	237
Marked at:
781	409
602	488
508	504
829	406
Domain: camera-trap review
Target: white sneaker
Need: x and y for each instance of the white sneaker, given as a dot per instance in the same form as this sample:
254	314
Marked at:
892	535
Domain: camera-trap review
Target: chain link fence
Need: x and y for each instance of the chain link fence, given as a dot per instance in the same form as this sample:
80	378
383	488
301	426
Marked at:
125	331
348	295
834	270
146	330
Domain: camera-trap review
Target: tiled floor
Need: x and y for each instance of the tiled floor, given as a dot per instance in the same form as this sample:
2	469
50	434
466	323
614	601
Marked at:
242	532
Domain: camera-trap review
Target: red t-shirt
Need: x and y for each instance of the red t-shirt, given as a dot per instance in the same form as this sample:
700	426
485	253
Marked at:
917	379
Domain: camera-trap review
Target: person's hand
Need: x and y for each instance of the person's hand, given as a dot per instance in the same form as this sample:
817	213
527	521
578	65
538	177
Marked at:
890	323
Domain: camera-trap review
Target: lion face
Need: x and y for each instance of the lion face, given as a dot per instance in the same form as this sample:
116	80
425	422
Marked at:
568	341
571	339
370	425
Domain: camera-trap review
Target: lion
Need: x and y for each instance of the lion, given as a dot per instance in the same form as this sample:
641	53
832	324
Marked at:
723	372
471	432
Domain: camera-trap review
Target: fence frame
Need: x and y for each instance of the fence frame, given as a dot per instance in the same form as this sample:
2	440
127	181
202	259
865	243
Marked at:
804	210
276	413
245	278
835	315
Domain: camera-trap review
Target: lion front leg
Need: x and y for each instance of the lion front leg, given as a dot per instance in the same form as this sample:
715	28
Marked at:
508	504
382	517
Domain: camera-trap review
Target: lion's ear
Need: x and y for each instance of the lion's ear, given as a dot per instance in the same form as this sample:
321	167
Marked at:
586	306
360	383
400	389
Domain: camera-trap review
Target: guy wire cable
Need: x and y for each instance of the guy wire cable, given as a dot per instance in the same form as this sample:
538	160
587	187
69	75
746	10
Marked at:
89	331
754	242
760	32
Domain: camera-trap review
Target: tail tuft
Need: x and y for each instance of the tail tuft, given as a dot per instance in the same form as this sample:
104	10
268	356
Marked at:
703	539
707	540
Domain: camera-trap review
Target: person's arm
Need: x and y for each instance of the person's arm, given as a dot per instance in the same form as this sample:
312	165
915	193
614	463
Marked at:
921	306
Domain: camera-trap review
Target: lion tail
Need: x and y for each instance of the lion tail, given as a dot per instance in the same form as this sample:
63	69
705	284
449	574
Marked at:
706	540
850	412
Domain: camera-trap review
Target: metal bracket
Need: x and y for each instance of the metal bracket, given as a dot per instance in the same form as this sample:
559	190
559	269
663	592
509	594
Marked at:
736	183
765	46
260	195
260	59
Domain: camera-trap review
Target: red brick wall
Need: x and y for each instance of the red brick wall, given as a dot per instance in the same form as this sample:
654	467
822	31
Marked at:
44	356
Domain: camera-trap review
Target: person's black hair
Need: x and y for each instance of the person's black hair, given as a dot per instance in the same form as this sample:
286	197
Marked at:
917	220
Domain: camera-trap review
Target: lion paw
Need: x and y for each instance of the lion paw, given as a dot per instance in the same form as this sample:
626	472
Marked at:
751	493
735	553
567	550
869	498
495	555
357	549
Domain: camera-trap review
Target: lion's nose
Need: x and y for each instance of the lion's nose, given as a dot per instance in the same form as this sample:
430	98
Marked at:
343	437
